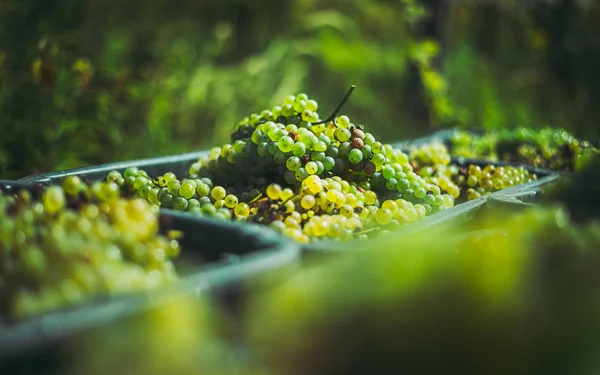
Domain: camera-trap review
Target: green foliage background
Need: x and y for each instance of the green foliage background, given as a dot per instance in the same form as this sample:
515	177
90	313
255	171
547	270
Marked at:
88	82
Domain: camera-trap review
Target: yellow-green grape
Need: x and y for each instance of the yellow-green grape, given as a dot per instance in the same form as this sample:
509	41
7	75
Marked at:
384	216
472	180
290	222
231	201
308	202
202	189
187	189
370	197
218	193
314	184
278	225
54	199
286	194
274	191
332	196
320	227
72	185
109	191
289	206
242	210
390	205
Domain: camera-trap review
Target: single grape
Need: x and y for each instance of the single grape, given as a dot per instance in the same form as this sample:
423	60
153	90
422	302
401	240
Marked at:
187	189
179	203
293	163
72	184
231	201
299	149
311	167
286	144
218	193
355	156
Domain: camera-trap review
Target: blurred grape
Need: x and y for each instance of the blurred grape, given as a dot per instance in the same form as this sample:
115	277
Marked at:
512	294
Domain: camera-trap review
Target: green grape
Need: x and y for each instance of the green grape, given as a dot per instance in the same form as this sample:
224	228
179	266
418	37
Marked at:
311	167
202	190
301	174
402	185
328	163
263	149
342	134
131	172
299	149
317	156
312	105
72	184
366	151
187	189
274	191
299	105
293	163
355	156
242	210
173	187
388	172
53	199
343	121
166	200
207	181
332	151
231	201
420	192
286	144
218	193
179	203
208	209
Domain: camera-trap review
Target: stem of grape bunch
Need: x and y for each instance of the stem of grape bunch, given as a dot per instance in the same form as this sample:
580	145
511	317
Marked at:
337	109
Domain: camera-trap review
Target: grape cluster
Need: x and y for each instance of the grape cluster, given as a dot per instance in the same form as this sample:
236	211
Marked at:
433	163
77	242
480	181
309	178
554	149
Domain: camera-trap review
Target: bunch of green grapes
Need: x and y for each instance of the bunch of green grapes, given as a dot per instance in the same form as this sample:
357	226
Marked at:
61	250
433	163
554	149
337	180
477	181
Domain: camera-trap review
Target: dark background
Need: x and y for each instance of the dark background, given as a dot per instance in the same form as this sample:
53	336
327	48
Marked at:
87	82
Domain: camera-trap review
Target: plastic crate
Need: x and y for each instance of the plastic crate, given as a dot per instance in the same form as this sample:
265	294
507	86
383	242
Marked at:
178	164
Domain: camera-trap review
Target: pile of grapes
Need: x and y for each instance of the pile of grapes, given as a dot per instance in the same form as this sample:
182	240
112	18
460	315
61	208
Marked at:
314	179
311	179
546	148
63	245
